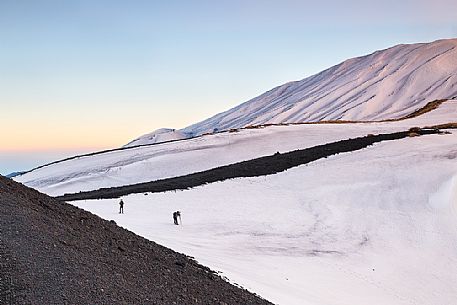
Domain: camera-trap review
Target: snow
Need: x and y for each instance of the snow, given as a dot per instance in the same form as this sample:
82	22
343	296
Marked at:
158	136
375	226
164	160
386	84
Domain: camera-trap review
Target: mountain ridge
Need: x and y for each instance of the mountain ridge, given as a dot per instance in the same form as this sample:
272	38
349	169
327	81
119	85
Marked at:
386	84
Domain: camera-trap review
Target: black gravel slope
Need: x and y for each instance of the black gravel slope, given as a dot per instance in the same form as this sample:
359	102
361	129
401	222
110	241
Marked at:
54	253
256	167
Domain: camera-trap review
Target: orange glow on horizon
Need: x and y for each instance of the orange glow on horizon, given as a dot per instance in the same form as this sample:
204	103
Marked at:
75	129
64	139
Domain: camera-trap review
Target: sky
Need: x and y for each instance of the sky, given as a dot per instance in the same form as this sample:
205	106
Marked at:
87	75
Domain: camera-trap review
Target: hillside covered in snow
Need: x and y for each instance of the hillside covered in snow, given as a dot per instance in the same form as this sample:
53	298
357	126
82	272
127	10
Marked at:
374	225
171	159
386	84
377	226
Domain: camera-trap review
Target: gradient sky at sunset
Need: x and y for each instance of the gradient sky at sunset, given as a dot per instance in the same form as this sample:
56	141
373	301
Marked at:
78	76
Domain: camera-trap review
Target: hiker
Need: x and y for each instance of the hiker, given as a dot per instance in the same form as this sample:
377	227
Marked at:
121	207
175	218
178	215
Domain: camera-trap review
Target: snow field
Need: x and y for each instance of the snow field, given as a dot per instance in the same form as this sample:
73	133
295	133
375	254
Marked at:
148	163
375	226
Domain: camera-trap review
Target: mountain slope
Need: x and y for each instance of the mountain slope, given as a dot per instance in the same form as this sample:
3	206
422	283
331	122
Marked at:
165	160
54	253
386	84
376	226
159	136
263	166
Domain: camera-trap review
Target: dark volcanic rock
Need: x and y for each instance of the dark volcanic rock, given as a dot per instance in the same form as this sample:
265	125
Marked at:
54	253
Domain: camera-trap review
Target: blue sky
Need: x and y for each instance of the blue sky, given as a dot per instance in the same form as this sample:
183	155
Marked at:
87	75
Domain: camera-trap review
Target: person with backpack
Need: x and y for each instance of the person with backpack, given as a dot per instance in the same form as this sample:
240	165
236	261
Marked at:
175	217
121	206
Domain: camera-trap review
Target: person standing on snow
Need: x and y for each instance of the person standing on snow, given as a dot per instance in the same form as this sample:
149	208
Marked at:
121	207
175	218
178	215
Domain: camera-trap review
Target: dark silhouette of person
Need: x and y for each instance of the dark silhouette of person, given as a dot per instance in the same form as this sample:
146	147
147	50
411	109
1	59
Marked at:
175	218
121	207
178	215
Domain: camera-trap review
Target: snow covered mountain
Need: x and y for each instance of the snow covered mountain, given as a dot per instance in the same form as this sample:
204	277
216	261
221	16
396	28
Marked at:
386	84
377	226
165	160
372	226
320	233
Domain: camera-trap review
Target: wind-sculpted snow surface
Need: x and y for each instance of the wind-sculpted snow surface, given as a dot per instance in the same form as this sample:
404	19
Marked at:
386	84
376	226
